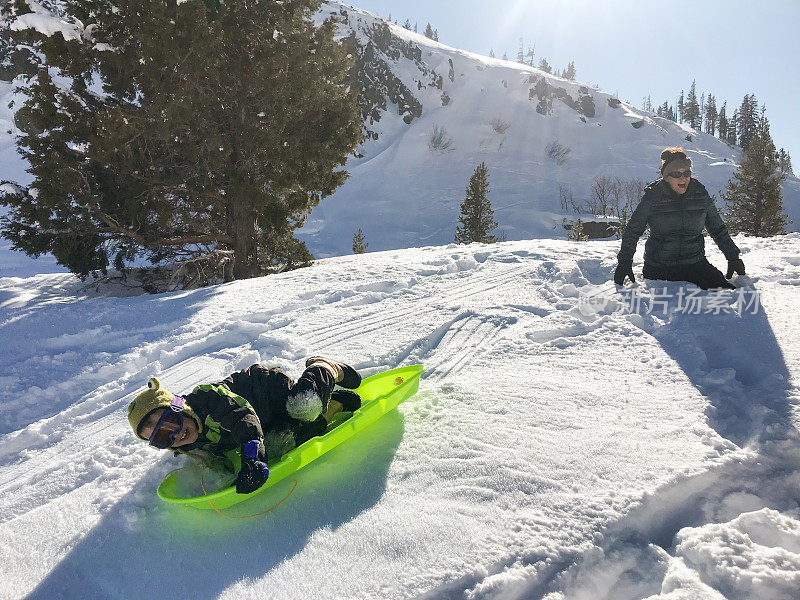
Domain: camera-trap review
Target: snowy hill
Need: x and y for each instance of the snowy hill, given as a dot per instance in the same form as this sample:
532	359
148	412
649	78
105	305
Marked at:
498	112
560	447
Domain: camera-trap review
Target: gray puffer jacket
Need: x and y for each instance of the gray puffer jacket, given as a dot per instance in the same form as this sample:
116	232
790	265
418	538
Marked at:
676	226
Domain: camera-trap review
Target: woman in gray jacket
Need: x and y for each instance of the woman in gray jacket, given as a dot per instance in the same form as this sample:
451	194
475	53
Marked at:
677	208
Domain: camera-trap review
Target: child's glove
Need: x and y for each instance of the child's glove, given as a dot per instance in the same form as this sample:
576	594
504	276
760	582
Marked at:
254	472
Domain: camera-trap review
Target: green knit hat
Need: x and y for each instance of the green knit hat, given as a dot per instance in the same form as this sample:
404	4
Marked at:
674	159
153	398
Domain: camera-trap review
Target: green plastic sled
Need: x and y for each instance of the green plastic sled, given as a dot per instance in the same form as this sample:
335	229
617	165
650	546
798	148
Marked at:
380	393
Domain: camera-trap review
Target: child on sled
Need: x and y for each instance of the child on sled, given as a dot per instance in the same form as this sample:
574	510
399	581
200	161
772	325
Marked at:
259	410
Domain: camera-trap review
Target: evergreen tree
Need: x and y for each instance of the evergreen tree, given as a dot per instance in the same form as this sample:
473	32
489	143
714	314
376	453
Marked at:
784	162
505	56
570	73
491	53
520	53
477	218
545	66
213	131
723	122
691	109
681	107
359	242
435	35
733	126
753	196
748	120
647	104
407	25
429	31
711	115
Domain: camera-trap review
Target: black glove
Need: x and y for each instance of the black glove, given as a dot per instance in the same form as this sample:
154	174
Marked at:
349	400
624	270
254	472
735	265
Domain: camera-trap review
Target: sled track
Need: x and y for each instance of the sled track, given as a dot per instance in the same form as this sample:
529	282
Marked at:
486	330
379	319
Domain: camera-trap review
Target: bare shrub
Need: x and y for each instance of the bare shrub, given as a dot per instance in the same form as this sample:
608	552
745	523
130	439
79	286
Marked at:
567	199
499	126
558	152
439	141
608	197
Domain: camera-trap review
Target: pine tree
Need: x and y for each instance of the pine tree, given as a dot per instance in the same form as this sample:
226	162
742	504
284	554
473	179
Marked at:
491	53
359	242
691	109
545	66
477	218
407	25
435	35
505	56
753	196
733	127
429	31
214	131
681	109
570	73
711	115
784	162
723	122
747	121
520	53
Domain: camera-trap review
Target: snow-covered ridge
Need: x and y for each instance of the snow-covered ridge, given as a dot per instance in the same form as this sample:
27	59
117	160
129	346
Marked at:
501	113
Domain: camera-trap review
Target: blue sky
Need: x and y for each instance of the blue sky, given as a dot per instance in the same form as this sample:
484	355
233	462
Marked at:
639	48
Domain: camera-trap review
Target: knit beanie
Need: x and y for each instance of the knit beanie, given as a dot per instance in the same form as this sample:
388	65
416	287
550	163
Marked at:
153	398
674	159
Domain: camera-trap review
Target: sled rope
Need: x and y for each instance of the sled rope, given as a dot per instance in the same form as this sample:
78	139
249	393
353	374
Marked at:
205	493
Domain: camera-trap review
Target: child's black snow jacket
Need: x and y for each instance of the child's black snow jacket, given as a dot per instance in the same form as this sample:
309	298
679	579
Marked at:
676	226
252	403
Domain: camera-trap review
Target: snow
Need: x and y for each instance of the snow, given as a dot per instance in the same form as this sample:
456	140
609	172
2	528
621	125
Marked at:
557	448
562	446
43	21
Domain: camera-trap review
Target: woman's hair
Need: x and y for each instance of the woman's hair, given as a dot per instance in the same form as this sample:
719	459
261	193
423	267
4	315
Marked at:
674	154
670	153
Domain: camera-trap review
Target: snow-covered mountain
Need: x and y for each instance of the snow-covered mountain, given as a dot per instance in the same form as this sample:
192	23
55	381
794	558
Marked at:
493	111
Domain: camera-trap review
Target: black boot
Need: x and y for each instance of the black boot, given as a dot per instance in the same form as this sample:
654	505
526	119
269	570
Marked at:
344	375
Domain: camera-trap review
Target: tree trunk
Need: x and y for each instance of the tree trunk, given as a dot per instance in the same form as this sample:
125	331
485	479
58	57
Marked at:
243	229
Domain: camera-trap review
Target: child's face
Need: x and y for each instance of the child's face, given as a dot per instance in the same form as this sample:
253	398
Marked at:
187	435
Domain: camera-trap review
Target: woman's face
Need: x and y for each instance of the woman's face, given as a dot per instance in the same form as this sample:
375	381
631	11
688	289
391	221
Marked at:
680	183
187	435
